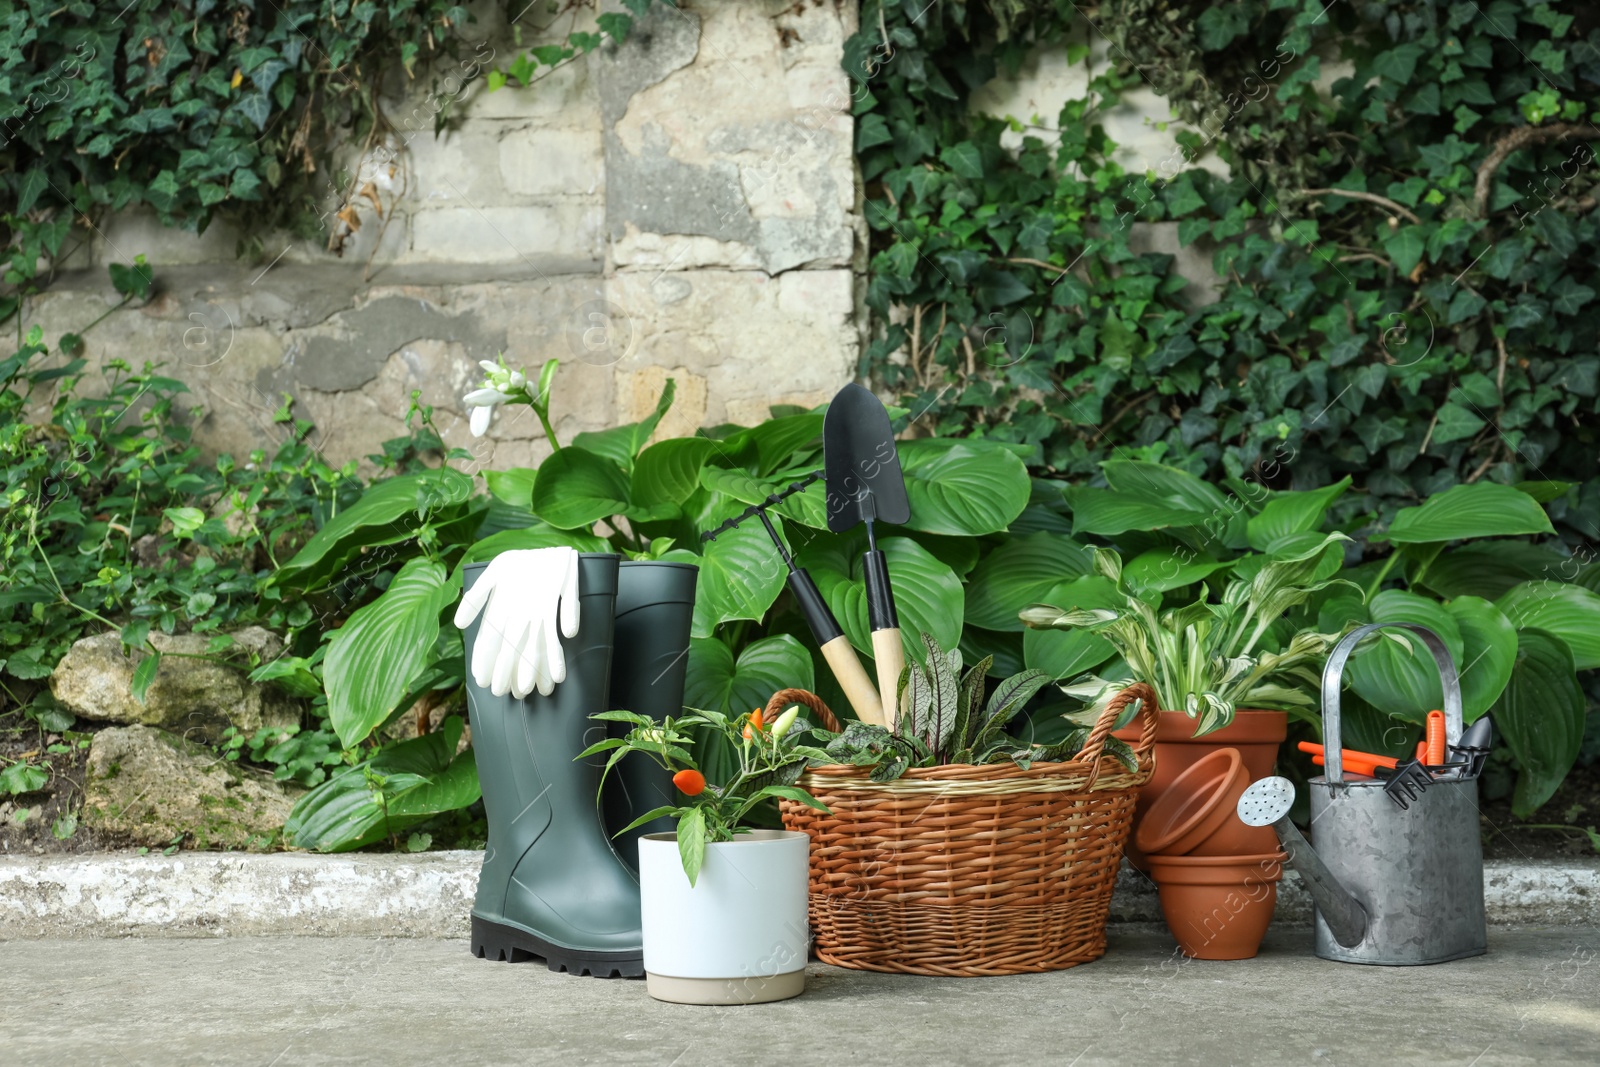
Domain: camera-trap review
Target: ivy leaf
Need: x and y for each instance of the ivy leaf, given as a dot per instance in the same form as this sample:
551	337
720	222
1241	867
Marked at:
963	158
257	107
33	183
1219	24
1405	247
1456	423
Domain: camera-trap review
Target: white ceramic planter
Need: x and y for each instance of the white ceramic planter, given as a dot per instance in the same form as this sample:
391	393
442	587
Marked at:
738	935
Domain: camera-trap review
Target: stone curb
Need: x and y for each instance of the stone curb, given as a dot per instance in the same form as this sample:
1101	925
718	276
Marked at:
222	894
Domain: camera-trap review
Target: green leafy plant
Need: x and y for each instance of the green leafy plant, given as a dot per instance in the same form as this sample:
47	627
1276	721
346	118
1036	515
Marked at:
194	110
398	787
296	755
770	761
114	517
1518	615
1207	658
1405	264
619	490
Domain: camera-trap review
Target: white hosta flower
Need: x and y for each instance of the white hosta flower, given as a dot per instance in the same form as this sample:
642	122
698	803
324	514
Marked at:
501	385
483	402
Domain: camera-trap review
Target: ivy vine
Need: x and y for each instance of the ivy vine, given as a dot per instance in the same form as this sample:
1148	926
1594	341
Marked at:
1407	247
197	107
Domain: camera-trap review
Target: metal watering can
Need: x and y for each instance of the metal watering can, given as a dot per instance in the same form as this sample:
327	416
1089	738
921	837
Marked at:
1395	886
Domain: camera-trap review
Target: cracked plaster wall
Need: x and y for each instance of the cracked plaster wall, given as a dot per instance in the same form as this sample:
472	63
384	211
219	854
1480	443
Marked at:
683	205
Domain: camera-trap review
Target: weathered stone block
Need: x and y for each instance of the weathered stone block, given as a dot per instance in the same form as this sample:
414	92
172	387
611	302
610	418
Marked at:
191	695
505	234
551	162
151	786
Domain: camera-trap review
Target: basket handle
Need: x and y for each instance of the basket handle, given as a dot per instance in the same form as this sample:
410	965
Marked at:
784	697
1149	711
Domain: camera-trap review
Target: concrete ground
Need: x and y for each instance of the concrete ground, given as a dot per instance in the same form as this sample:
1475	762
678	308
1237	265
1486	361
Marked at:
1534	999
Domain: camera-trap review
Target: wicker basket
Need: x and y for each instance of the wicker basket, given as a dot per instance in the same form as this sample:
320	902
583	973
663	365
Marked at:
968	870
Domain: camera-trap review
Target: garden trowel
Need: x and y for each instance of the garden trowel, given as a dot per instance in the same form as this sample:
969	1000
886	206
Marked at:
865	485
835	646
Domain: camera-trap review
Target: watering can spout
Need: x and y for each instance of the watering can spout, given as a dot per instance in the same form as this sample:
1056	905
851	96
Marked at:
1267	803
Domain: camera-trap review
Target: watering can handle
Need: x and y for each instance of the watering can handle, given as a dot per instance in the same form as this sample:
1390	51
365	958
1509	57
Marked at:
1333	675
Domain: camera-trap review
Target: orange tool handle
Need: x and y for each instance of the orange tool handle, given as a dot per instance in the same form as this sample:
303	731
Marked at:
1349	755
1422	752
1435	739
1351	766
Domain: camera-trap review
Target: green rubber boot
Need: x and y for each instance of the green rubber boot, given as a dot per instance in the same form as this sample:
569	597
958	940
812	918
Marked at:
655	606
551	884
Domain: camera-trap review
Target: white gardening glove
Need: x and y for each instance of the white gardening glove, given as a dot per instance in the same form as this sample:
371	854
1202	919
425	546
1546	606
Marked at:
524	595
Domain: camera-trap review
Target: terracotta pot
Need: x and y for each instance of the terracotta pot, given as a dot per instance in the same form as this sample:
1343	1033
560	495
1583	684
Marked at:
1198	815
1256	734
1218	907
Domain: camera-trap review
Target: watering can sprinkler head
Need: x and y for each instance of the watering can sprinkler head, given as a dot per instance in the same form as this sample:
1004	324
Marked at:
1267	803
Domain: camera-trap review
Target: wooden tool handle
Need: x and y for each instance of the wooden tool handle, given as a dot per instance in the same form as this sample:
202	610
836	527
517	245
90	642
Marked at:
852	678
890	656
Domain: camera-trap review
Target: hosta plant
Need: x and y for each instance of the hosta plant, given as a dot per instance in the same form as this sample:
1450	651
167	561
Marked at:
1209	658
947	720
769	759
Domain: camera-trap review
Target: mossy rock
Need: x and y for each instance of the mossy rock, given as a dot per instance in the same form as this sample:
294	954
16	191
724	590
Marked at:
150	787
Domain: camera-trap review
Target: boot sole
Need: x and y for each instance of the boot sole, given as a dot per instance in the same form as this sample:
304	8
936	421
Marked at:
508	944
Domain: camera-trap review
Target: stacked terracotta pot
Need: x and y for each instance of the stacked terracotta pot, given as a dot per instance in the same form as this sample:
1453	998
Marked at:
1218	878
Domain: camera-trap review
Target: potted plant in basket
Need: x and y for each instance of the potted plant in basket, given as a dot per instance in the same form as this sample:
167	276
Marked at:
954	848
724	905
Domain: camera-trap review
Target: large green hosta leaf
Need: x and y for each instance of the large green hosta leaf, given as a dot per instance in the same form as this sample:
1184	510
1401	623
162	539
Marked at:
1108	513
403	785
668	472
538	535
775	442
1287	514
1161	570
621	444
382	648
1017	574
1406	685
390	510
1570	612
927	593
1488	651
1541	715
718	682
962	487
576	488
1483	509
1491	569
741	575
1396	682
1065	654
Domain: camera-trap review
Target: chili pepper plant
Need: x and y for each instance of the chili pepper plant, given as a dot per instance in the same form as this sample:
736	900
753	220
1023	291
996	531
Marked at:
770	759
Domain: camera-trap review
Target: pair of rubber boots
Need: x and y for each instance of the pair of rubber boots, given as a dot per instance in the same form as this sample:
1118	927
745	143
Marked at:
555	883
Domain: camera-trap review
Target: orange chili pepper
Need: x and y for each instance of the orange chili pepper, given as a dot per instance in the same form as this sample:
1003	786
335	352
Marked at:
755	723
690	783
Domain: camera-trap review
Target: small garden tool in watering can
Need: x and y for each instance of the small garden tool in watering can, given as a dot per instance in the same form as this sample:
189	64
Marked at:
1394	884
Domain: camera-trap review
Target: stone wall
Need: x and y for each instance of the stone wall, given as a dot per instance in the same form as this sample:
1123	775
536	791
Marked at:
683	205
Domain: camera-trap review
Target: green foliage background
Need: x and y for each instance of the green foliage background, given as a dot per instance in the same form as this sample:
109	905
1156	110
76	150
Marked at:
195	107
1432	328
